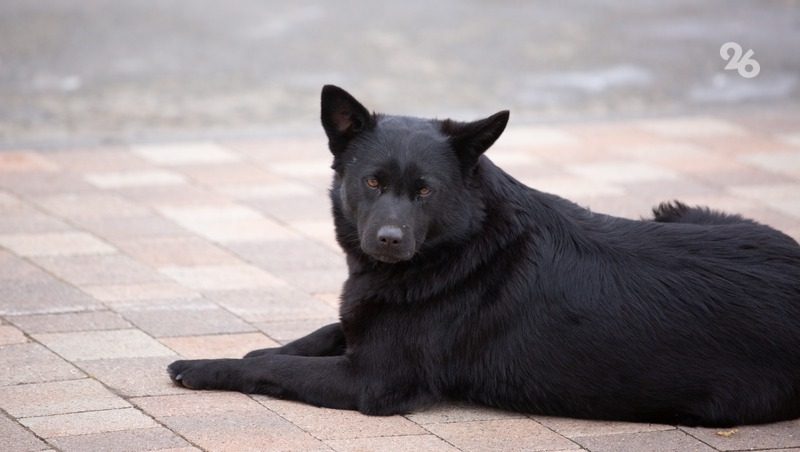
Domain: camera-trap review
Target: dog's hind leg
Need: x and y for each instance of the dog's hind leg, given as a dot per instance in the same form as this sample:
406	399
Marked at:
678	212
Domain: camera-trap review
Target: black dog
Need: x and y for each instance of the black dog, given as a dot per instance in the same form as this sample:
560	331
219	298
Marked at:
467	285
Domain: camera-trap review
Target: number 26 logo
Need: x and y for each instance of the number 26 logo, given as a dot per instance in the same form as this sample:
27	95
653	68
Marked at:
745	65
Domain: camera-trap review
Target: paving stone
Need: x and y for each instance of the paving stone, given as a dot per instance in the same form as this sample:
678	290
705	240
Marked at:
289	255
289	330
315	281
228	173
14	437
43	297
140	178
697	127
157	438
43	183
198	403
227	223
54	244
133	377
505	434
253	191
116	293
271	305
177	251
221	277
217	346
538	137
78	321
118	230
243	431
781	162
197	153
622	172
769	436
90	205
88	422
325	423
174	196
61	397
310	168
91	345
30	222
11	335
168	320
21	161
107	269
309	207
97	160
32	363
428	443
571	186
572	428
660	441
320	230
460	413
14	268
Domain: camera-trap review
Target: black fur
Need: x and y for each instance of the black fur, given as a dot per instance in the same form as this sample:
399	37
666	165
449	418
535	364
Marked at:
491	292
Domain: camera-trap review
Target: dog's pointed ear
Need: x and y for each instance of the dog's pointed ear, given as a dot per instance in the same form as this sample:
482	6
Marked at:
471	139
343	117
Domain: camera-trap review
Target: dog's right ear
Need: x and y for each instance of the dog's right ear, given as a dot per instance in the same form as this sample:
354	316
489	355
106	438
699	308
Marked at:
343	117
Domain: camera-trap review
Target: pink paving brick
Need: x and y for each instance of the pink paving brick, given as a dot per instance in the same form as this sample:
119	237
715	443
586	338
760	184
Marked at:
72	396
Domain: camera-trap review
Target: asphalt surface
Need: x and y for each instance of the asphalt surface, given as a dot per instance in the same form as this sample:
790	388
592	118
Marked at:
120	70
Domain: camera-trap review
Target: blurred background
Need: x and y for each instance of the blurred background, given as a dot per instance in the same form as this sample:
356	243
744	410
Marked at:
107	71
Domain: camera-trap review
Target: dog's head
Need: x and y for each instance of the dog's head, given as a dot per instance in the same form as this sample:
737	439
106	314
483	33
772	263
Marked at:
403	184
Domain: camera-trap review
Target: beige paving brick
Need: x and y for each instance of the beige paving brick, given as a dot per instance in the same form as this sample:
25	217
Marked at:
289	255
55	244
271	305
311	207
118	230
14	437
780	162
177	251
169	320
792	139
769	436
157	438
572	428
78	321
244	431
30	222
692	127
92	270
11	335
174	196
621	172
117	293
217	346
319	168
316	281
781	197
537	136
572	186
460	413
190	153
289	330
97	160
221	277
140	178
134	376
319	230
14	268
253	191
90	205
228	173
506	434
32	363
43	183
325	423
43	297
428	443
198	403
666	441
88	422
61	397
22	161
90	345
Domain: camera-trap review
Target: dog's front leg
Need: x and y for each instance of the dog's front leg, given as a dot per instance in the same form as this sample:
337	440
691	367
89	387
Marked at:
327	381
328	340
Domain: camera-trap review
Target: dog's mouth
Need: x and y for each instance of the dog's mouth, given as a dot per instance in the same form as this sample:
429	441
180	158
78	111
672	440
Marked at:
392	258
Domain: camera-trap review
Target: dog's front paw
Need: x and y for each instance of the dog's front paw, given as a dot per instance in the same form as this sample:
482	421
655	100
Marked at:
204	374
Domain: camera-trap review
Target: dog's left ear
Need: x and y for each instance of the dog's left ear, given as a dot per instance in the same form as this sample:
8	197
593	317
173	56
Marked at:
343	117
471	139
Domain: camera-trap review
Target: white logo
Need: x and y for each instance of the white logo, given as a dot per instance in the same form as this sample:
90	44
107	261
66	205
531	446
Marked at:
745	65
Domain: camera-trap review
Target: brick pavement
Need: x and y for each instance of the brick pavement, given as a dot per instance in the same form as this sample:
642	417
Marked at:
115	261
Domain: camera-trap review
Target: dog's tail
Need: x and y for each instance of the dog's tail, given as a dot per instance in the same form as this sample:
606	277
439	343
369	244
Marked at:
678	212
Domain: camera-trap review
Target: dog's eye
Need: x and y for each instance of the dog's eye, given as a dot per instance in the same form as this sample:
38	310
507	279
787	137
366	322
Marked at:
373	183
424	191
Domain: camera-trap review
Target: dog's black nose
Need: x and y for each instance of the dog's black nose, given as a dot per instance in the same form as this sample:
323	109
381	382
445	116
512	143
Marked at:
390	236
